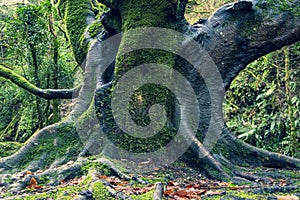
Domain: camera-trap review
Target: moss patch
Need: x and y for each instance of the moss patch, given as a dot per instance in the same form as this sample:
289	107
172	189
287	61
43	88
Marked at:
95	28
105	170
64	144
75	13
145	196
279	6
100	192
8	148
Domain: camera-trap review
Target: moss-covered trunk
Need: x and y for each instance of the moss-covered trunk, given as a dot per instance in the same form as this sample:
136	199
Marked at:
136	15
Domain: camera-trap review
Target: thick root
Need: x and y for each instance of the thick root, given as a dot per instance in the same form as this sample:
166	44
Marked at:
47	148
210	164
10	162
254	156
232	159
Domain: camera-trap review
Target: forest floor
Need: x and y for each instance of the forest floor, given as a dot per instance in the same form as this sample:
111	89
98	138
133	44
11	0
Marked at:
178	180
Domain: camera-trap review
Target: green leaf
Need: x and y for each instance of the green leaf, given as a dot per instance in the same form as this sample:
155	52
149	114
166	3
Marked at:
270	91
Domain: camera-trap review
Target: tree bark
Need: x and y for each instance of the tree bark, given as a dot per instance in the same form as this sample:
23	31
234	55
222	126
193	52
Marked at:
235	35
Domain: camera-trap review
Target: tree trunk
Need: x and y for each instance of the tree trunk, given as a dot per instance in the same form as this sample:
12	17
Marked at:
208	56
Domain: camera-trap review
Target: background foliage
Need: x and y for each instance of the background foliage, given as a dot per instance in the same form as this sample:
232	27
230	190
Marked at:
33	44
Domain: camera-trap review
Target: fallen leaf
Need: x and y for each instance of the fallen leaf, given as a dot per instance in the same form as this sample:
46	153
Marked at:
32	184
102	177
171	183
181	193
283	183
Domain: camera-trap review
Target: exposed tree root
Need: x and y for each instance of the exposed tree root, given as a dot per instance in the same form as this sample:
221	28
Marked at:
256	156
233	159
275	189
8	163
207	158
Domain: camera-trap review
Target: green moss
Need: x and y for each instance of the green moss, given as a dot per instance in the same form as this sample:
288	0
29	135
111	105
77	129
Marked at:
145	196
134	15
157	13
17	79
44	180
95	28
8	148
105	170
86	181
61	193
279	6
100	192
75	13
64	144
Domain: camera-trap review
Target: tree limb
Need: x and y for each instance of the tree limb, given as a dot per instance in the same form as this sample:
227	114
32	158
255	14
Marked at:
239	33
43	93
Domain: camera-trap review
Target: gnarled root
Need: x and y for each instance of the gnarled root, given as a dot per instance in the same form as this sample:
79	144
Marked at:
233	159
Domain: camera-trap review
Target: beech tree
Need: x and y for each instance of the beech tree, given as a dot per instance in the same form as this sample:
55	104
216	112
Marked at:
140	33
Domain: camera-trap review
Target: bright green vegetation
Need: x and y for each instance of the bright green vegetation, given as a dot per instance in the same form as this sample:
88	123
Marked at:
23	58
265	99
95	29
100	192
145	196
98	166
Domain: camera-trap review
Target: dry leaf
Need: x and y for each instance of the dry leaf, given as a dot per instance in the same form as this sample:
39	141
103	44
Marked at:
32	184
181	193
283	183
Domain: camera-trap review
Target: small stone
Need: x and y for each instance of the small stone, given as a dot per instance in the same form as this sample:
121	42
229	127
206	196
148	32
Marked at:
134	178
202	21
272	198
86	193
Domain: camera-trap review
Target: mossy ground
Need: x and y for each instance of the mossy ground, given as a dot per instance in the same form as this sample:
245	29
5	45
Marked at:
8	148
178	173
